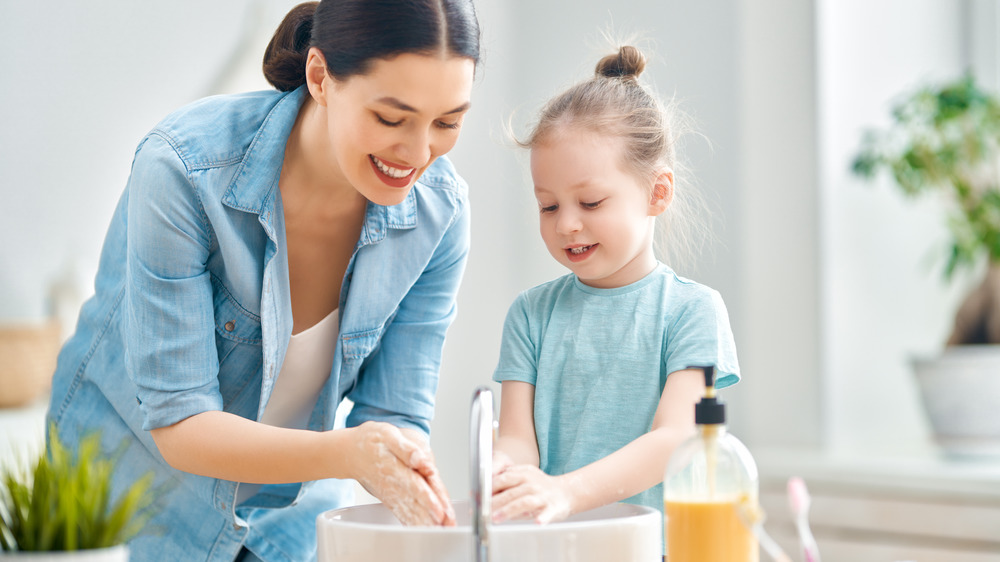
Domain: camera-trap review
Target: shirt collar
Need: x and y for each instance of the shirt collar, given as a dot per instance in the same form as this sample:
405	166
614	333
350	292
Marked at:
254	186
255	183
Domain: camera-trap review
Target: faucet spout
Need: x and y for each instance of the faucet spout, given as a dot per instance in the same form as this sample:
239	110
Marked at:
481	468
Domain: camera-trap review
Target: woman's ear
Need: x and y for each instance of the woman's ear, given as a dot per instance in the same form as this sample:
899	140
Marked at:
663	192
316	75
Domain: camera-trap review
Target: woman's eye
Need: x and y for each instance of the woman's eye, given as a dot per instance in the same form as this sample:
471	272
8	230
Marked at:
446	125
388	123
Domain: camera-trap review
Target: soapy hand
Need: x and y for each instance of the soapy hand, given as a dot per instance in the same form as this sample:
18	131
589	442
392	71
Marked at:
525	492
397	467
501	462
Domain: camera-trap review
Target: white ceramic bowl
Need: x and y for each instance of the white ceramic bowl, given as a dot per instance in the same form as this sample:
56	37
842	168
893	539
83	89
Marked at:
367	533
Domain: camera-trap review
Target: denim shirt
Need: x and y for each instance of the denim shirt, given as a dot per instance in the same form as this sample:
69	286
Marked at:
192	313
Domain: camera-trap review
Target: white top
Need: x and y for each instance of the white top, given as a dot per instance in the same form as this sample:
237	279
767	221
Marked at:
302	376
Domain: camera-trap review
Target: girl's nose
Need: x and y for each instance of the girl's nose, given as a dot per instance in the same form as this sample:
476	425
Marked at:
568	222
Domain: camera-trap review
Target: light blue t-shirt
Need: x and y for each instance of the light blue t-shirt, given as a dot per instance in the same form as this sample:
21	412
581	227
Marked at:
599	359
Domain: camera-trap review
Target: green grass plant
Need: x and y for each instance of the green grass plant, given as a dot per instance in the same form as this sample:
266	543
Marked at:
63	502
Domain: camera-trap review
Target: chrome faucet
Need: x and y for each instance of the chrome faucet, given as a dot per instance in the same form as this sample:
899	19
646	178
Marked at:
481	469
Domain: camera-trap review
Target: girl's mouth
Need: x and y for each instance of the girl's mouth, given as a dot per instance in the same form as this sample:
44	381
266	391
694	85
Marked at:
579	253
391	174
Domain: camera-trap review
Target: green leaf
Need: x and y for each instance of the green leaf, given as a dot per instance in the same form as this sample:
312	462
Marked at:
65	502
945	139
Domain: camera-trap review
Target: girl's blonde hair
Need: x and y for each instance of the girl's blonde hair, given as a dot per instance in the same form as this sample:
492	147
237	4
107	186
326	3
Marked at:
615	104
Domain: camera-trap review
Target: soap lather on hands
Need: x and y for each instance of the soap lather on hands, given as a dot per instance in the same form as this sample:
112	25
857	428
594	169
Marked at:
524	491
402	474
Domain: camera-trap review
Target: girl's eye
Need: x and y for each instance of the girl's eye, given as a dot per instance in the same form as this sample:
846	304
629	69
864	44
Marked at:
388	123
593	205
548	209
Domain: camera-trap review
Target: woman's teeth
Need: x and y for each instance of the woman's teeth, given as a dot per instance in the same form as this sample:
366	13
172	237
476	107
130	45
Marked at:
390	171
581	249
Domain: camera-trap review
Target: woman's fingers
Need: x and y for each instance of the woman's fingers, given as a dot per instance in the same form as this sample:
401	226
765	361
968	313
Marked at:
429	471
414	504
397	475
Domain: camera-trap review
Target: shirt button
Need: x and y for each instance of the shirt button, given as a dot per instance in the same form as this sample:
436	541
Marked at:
230	326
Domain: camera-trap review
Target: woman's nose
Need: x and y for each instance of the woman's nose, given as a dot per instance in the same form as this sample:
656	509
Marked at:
415	149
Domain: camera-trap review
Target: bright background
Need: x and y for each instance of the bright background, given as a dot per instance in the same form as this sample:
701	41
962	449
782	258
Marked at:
832	285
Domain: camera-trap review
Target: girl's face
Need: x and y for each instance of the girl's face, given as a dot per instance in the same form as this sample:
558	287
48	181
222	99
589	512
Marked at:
386	127
595	218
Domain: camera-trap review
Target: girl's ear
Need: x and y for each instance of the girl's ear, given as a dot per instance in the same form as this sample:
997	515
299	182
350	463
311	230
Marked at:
316	75
663	192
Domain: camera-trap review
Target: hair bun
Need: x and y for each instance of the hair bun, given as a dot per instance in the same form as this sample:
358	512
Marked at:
628	62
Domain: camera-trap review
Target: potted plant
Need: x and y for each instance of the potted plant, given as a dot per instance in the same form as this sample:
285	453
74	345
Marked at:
61	508
946	140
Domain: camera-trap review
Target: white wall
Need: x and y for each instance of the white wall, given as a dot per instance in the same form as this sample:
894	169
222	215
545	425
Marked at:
884	298
820	272
82	82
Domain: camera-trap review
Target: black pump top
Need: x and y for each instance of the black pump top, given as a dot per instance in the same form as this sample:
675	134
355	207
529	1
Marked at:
710	410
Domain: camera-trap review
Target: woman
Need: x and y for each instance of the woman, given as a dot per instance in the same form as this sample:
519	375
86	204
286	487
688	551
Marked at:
274	253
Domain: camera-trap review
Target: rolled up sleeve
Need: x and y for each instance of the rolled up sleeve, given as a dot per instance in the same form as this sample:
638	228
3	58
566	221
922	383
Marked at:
170	342
399	382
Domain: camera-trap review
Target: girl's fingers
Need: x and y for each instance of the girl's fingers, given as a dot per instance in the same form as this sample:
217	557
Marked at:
512	476
521	507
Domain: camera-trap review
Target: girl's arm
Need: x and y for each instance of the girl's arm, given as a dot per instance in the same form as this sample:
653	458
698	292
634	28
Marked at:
523	491
390	463
516	443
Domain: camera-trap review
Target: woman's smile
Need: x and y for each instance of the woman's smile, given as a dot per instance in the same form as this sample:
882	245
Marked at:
391	174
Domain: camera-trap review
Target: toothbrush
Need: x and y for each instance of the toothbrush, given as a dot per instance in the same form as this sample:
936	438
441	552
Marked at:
798	501
752	516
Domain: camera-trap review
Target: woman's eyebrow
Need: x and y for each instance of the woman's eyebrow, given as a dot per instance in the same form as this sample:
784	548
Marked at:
395	102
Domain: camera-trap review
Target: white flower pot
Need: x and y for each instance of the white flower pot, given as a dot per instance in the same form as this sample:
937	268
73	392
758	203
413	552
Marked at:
961	394
112	554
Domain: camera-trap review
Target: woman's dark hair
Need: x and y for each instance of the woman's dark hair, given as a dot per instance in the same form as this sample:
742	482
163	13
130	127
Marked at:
352	34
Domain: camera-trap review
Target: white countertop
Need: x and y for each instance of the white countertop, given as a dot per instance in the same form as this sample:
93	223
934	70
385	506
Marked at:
928	475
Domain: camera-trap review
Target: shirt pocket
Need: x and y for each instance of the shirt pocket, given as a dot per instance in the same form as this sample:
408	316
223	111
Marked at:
357	346
237	336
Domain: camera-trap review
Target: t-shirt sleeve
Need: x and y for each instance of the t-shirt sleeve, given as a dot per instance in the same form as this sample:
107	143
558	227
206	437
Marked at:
518	357
700	334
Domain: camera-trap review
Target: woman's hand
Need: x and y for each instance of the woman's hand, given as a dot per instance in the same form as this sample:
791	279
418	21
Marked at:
525	492
434	478
399	470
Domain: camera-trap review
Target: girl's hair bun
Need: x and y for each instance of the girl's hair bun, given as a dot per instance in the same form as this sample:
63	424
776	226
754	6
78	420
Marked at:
628	62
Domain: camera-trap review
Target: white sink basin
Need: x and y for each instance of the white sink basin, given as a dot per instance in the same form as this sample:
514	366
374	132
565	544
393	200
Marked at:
367	533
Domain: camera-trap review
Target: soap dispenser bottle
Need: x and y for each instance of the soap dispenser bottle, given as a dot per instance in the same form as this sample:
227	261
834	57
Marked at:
710	477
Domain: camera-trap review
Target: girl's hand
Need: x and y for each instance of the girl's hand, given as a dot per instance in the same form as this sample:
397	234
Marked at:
525	492
501	462
400	471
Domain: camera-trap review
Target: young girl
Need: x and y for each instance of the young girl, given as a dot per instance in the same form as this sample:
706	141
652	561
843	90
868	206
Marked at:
596	389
